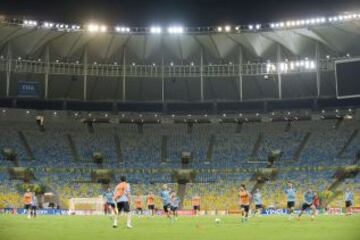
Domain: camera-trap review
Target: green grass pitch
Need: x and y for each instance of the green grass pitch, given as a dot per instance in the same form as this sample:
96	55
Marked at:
186	228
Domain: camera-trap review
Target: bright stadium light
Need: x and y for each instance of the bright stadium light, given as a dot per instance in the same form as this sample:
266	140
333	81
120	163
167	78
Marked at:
251	27
175	30
227	28
48	25
258	26
30	23
155	30
93	28
219	29
103	28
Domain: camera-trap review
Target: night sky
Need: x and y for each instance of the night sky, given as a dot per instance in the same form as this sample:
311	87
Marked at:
166	12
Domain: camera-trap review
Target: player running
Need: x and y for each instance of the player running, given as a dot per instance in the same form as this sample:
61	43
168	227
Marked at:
316	202
196	204
348	202
258	201
150	203
34	203
308	203
138	205
291	196
28	203
109	202
174	205
245	197
122	197
165	197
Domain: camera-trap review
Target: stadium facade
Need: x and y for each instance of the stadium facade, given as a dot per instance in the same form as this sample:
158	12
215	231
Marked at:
270	64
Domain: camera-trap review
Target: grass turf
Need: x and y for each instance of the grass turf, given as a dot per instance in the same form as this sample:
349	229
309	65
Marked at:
186	228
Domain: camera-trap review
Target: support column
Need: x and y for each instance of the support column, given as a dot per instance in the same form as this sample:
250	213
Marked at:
201	76
124	77
162	80
318	73
47	70
85	72
240	73
278	59
8	69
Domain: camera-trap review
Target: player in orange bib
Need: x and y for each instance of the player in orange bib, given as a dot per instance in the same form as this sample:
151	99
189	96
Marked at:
196	204
150	203
122	197
28	202
245	198
138	204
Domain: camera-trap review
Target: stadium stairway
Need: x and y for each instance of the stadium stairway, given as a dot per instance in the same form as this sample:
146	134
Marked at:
181	193
164	149
256	147
73	149
26	145
210	148
348	142
239	127
303	143
117	142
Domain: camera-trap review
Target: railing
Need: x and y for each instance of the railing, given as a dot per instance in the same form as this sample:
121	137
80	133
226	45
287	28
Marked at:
154	71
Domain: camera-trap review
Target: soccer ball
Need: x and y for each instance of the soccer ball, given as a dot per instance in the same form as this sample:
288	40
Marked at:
217	220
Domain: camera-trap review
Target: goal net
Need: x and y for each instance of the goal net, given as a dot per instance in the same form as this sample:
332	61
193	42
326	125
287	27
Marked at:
86	206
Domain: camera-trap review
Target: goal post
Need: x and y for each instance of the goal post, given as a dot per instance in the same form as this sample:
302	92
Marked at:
86	206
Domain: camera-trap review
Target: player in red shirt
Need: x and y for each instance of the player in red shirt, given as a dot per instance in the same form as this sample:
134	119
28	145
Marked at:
316	202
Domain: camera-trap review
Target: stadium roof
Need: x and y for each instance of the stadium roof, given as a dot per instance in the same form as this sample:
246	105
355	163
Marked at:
336	38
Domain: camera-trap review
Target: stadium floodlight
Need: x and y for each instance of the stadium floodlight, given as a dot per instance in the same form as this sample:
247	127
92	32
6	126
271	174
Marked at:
251	27
219	29
122	29
103	28
281	24
155	30
30	23
272	25
312	65
48	25
93	28
227	28
175	30
258	26
237	28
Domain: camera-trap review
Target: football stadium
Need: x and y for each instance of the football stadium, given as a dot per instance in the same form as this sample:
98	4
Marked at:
174	132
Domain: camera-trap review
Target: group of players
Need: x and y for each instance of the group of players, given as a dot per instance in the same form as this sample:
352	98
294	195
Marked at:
311	201
118	201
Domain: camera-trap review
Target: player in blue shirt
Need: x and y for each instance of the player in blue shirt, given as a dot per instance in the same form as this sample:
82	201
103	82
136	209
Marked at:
308	203
291	196
109	202
165	197
174	203
258	201
349	196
